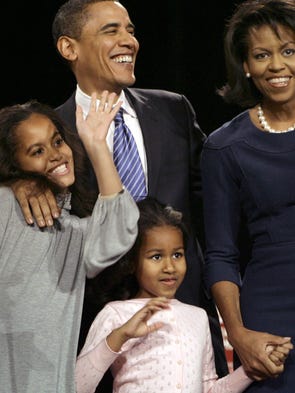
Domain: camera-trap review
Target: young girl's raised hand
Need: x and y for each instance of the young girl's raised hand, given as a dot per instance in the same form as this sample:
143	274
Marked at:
94	127
137	326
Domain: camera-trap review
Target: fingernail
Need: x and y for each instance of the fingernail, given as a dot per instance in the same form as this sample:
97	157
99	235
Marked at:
55	214
49	222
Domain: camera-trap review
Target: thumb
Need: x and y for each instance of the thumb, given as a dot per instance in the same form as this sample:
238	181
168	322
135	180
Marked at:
278	340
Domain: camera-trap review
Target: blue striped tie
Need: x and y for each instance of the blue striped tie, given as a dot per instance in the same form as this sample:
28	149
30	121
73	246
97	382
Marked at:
127	160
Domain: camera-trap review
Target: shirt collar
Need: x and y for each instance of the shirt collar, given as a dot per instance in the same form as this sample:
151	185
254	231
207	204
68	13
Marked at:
83	100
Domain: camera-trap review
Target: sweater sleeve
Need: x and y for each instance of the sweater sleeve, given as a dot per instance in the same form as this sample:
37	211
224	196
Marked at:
235	382
91	367
111	232
96	356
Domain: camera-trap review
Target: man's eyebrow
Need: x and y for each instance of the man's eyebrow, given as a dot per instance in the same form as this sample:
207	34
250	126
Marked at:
114	24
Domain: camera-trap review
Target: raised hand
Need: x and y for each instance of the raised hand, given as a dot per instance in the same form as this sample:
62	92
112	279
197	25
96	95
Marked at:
94	127
93	130
137	326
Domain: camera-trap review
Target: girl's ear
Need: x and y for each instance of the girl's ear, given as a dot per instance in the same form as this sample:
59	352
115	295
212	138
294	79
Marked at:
67	47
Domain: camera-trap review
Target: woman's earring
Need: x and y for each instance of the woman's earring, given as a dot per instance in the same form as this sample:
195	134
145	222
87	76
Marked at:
248	75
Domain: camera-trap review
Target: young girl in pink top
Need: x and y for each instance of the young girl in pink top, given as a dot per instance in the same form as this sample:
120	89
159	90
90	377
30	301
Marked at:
153	342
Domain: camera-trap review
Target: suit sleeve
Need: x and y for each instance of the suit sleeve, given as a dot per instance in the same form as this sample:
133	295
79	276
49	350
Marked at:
196	142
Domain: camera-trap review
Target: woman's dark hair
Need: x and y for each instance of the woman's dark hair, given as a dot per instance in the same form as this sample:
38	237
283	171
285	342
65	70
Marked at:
118	281
248	15
11	118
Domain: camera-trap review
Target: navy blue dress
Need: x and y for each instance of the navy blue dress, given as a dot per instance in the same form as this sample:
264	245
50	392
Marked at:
248	171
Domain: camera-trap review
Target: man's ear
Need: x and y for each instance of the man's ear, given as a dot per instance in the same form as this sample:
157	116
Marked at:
67	48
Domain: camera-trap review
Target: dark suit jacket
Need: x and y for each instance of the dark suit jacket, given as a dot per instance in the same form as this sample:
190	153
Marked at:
173	141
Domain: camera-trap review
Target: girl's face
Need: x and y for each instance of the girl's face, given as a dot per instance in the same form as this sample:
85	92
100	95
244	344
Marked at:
42	150
271	63
161	262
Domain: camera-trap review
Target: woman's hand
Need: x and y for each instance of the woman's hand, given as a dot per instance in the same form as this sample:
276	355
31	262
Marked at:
254	350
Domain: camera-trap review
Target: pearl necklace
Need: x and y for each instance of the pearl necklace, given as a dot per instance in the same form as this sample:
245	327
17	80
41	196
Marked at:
266	127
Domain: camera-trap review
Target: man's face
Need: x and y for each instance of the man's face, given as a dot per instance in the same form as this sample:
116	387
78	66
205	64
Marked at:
107	49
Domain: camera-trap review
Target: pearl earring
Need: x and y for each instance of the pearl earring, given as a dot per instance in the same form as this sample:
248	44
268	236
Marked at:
248	75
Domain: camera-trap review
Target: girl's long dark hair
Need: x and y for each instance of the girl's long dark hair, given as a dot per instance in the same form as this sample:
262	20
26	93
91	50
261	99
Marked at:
11	118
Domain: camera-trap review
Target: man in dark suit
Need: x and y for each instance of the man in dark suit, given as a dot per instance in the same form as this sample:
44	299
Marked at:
96	38
101	51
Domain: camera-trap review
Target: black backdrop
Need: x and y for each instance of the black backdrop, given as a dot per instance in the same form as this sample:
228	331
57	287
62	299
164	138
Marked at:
181	50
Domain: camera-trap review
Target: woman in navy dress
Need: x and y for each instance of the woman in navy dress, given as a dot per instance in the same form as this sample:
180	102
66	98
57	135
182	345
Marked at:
248	172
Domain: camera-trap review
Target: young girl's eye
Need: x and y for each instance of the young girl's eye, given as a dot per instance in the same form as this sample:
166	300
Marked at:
178	255
59	141
289	52
37	152
156	257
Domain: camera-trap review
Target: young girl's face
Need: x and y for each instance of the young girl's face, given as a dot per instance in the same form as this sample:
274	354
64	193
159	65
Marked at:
161	265
42	150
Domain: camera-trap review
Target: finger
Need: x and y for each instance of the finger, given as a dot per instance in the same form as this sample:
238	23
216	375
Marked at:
24	204
154	326
103	104
36	211
274	369
53	206
79	118
115	108
112	98
277	359
287	345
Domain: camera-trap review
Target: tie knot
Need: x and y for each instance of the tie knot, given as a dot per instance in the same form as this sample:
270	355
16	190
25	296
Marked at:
119	118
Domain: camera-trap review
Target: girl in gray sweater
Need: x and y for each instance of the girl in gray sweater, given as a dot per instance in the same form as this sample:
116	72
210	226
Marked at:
42	271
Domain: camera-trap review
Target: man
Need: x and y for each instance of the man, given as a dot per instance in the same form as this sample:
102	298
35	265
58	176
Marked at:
96	39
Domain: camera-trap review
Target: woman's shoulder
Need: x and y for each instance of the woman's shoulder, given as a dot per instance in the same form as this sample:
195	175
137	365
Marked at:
230	132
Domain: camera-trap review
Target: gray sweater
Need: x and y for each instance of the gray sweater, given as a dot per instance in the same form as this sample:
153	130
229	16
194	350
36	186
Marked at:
42	276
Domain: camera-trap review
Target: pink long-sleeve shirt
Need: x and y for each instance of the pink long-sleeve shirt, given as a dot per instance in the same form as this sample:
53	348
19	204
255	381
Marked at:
178	358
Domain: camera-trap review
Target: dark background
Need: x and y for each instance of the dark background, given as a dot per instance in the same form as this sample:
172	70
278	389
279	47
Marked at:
181	50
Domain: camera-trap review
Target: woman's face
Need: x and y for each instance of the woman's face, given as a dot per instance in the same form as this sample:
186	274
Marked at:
271	63
42	150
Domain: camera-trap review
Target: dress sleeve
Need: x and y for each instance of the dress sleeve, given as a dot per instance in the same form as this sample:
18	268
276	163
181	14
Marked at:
111	232
222	211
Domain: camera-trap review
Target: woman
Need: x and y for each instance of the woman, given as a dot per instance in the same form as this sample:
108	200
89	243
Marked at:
248	169
43	272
